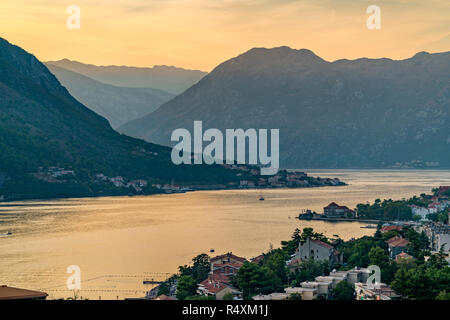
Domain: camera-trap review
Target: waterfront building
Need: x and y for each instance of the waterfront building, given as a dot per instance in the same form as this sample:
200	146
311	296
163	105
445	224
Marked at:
333	210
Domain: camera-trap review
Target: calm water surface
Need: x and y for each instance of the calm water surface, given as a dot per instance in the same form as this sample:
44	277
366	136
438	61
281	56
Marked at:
119	241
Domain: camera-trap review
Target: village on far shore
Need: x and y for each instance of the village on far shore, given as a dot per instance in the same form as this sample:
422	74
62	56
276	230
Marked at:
397	247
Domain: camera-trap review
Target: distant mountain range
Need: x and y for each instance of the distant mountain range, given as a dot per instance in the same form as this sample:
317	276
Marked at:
364	113
53	146
117	104
167	78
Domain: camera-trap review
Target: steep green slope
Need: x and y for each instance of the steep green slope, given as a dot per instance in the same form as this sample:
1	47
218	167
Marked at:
43	126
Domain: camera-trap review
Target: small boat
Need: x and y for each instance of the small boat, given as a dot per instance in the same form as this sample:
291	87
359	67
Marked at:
261	198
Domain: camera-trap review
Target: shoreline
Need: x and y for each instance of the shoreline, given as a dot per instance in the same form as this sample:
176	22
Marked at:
328	219
161	193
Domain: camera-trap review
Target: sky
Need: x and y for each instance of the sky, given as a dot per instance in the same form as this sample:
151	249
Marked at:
200	34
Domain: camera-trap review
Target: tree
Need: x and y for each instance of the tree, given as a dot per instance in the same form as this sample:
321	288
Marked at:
344	291
423	282
443	295
228	296
309	269
254	279
378	257
199	270
295	296
276	261
164	288
186	287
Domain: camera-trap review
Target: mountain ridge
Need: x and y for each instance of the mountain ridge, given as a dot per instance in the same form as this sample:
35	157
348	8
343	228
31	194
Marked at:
367	112
168	78
53	146
117	104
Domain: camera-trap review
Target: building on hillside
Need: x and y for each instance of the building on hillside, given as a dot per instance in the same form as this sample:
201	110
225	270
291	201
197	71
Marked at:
438	235
164	298
318	250
294	263
257	259
370	292
271	296
391	228
227	264
11	293
323	286
333	210
396	245
442	190
404	258
422	212
217	285
308	292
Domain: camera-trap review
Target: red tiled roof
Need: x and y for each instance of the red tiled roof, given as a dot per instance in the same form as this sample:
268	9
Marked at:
323	244
403	255
397	242
232	265
257	259
295	262
228	255
215	283
390	228
163	297
334	204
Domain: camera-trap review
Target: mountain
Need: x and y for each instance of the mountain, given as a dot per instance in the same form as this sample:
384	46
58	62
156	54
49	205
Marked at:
117	104
364	113
167	78
53	146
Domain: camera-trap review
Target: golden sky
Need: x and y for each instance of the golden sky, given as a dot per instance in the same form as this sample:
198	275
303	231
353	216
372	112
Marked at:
199	34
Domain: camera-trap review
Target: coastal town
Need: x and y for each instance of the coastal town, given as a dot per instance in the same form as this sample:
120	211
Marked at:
312	267
405	258
248	177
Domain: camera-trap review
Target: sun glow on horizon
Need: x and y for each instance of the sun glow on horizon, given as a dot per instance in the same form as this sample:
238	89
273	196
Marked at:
199	34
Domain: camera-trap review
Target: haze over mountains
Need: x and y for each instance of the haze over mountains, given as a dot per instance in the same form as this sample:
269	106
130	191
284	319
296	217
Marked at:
53	146
117	104
167	78
364	113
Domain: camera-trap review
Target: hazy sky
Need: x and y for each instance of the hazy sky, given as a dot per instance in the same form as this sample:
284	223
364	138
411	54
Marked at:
200	34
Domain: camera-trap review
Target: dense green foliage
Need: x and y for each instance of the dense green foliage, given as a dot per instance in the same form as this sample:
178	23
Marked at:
439	217
186	287
309	270
164	288
344	291
385	210
255	279
199	269
423	282
412	279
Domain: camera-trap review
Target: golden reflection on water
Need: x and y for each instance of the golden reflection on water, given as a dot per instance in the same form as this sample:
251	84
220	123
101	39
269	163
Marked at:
118	241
